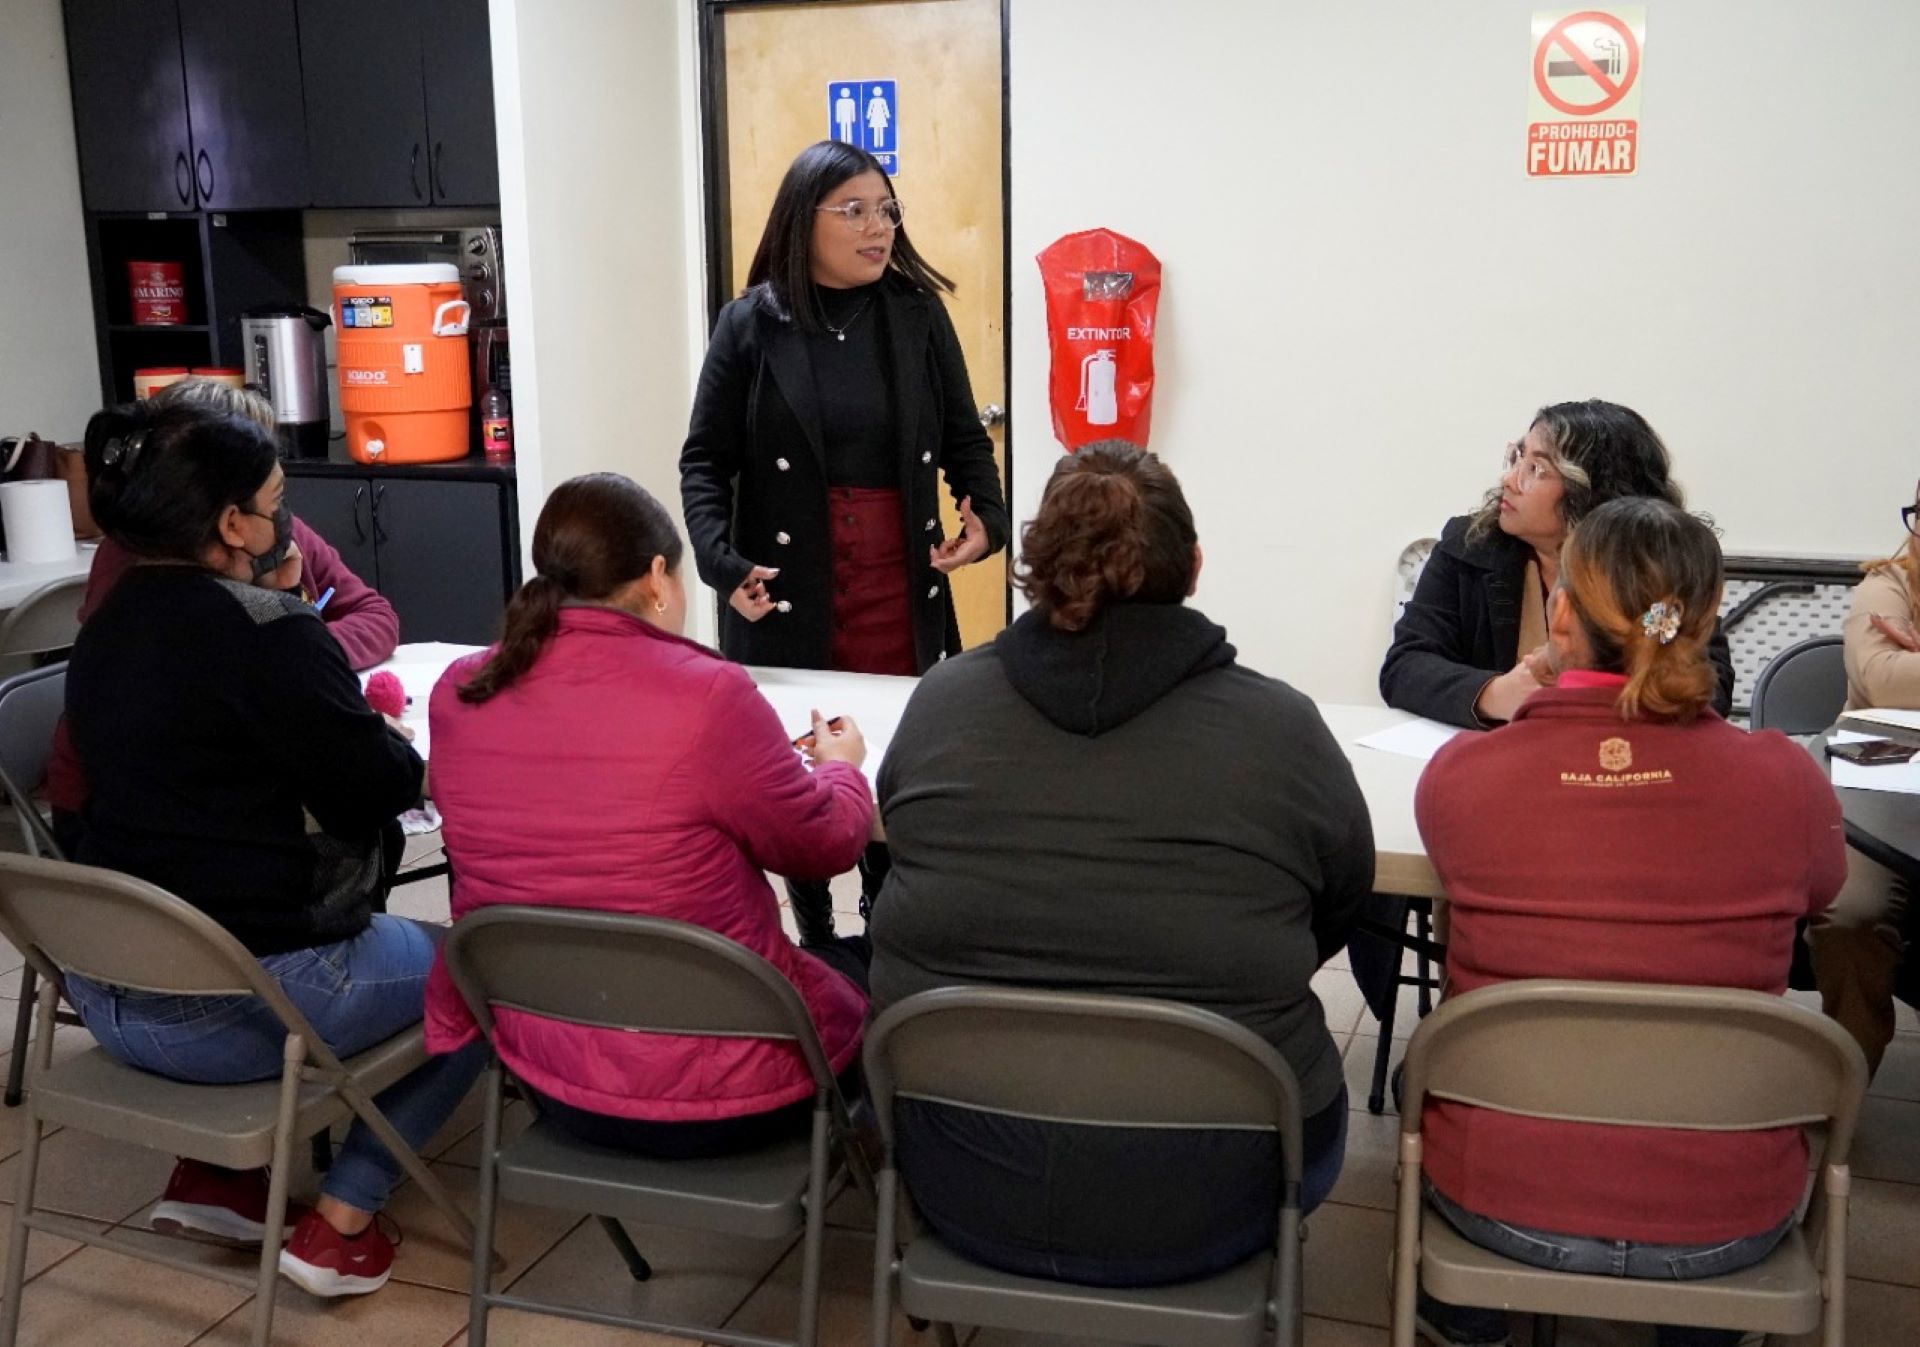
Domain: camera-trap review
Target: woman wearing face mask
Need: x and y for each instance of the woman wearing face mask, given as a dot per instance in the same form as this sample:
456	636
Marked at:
649	776
356	615
212	717
1471	645
833	398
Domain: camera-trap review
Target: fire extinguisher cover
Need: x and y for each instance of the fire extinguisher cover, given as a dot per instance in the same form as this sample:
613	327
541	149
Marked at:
1102	291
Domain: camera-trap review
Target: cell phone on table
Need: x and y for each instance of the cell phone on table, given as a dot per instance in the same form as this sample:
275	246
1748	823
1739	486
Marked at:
803	742
1872	752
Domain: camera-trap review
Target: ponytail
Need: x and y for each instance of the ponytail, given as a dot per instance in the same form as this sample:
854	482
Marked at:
532	617
1113	527
596	534
1644	578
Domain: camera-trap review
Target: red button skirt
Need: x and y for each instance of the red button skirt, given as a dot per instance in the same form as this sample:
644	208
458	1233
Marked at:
872	611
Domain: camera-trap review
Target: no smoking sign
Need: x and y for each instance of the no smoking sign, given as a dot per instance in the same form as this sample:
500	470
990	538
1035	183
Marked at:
1583	92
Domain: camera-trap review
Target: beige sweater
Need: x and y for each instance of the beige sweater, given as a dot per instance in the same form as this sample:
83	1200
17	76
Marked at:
1879	671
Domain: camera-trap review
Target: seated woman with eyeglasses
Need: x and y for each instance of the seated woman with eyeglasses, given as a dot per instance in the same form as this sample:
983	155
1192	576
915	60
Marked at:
1471	645
1859	944
213	716
1620	831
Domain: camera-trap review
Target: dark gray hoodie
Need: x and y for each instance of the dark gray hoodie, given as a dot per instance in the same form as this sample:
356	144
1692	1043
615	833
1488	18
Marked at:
1124	809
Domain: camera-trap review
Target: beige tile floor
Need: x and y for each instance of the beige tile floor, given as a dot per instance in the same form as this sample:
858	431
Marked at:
83	1296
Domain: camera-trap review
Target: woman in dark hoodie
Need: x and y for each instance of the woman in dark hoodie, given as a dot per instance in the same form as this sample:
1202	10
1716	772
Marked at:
1103	800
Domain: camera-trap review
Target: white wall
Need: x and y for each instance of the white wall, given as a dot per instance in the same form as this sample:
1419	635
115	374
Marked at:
49	366
595	107
1364	297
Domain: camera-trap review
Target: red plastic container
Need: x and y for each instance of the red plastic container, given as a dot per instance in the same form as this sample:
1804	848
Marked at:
159	291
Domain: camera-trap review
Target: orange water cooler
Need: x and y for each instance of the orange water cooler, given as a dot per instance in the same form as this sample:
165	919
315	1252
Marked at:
405	376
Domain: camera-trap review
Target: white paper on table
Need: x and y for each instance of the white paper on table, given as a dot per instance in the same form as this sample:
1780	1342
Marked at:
1885	715
418	667
1898	778
1415	738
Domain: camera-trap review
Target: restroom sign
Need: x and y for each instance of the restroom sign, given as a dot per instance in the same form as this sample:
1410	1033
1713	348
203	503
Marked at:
1583	92
866	113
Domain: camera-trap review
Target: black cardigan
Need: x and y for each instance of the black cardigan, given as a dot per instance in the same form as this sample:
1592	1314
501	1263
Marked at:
753	472
1462	628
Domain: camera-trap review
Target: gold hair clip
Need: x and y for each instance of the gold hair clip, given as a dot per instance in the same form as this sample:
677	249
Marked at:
1661	622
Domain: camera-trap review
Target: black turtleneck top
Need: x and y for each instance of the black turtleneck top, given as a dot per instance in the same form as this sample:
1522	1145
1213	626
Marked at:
850	380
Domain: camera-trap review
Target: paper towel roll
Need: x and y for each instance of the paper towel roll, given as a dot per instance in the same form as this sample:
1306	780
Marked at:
38	521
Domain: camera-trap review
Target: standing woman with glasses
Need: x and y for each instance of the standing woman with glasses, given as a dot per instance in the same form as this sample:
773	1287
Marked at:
1471	645
833	397
1859	944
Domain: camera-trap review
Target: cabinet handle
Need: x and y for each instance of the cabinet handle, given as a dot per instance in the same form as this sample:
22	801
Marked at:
433	174
379	511
413	170
359	529
183	178
206	187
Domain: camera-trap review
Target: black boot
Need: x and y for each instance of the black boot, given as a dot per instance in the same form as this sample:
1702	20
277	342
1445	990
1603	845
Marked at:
812	910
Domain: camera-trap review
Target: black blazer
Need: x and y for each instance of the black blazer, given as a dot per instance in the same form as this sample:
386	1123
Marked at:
1462	628
753	473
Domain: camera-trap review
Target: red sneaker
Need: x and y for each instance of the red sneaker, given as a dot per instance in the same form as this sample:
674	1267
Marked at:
229	1204
323	1262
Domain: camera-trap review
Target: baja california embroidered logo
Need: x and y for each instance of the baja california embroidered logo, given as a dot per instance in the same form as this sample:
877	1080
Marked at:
1616	755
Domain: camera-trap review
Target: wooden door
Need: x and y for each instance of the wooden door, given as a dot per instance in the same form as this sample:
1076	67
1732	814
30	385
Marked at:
129	106
242	61
944	59
459	71
366	103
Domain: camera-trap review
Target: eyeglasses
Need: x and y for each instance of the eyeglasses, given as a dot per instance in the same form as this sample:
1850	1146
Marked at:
1536	469
859	214
1907	512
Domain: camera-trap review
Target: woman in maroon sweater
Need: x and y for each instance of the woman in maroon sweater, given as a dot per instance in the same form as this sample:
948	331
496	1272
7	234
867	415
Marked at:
1619	830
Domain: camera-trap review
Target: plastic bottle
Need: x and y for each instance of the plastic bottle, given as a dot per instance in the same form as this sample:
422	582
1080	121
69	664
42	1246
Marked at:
496	424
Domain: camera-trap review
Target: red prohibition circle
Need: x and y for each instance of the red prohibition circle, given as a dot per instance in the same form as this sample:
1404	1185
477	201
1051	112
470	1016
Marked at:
1557	35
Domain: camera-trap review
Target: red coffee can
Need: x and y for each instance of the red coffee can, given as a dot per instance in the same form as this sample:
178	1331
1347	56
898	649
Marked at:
159	292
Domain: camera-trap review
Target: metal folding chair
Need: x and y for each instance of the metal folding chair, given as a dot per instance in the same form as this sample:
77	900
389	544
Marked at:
119	930
649	975
1093	1061
1635	1055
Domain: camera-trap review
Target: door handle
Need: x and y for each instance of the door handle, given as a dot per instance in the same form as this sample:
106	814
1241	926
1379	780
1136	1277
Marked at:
438	183
206	188
993	414
183	178
413	170
359	529
379	512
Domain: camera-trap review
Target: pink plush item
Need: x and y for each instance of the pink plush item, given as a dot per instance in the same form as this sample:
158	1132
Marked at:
386	694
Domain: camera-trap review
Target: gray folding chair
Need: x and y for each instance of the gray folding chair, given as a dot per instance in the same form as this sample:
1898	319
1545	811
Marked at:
1635	1055
646	975
47	619
30	707
119	930
1094	1061
1803	689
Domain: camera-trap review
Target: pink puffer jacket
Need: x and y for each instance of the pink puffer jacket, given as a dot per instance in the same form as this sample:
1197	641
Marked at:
633	771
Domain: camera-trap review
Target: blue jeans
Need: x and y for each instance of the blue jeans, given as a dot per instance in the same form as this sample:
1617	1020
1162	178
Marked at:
1595	1257
355	993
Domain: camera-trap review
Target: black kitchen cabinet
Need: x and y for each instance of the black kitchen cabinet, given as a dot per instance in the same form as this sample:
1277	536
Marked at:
242	63
366	109
440	541
399	102
130	104
187	104
459	71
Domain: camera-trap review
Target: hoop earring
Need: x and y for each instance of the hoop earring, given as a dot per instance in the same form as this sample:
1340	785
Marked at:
659	607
